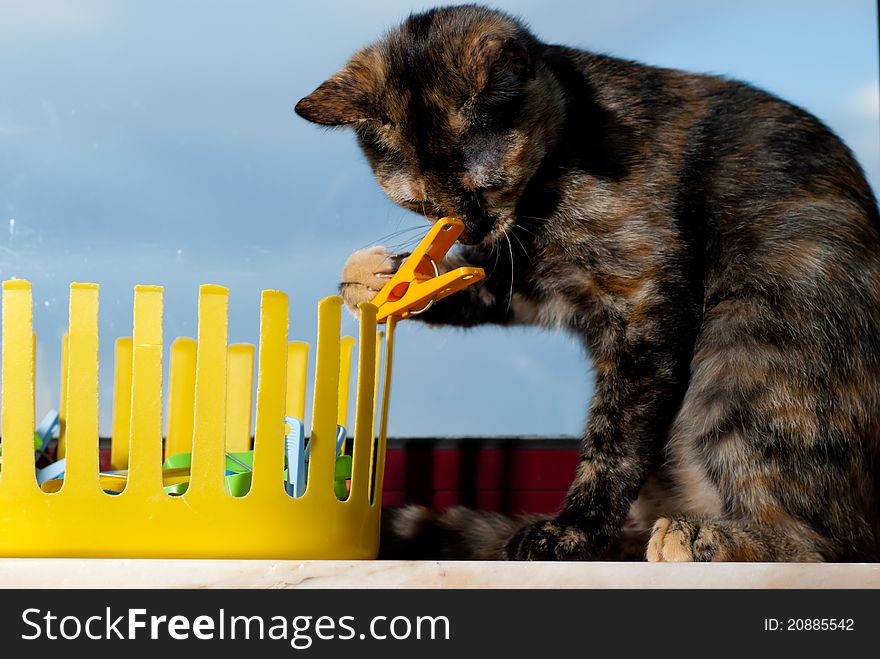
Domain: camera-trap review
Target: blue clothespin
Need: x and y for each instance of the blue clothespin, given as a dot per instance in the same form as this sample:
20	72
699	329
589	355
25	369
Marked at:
43	432
294	447
52	471
340	440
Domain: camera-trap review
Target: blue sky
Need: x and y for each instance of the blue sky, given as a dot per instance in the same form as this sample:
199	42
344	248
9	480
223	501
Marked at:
155	142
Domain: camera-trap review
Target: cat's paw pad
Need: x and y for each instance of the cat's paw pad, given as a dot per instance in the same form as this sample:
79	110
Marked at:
548	540
365	273
681	541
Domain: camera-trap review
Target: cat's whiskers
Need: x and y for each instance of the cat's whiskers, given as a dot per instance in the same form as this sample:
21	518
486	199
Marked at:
515	237
395	234
537	222
510	294
526	229
493	249
404	246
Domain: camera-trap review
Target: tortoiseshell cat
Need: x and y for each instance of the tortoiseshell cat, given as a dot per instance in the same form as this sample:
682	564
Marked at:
715	248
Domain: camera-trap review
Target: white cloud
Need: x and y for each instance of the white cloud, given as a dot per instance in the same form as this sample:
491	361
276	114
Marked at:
52	14
865	101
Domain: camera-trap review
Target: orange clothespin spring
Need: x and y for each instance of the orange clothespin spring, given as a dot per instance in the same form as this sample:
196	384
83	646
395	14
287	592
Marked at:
418	283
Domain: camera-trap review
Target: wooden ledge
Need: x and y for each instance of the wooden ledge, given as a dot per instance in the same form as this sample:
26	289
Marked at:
125	573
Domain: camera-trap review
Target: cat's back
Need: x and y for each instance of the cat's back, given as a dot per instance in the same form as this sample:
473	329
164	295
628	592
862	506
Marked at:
758	186
744	144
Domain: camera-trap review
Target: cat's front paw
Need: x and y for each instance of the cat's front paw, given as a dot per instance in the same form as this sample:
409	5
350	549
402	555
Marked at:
680	541
365	273
548	540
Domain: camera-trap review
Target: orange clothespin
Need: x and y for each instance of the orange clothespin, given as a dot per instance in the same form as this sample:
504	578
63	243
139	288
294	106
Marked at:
418	284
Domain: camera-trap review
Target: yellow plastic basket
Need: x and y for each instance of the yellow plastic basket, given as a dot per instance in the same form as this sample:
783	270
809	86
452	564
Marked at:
209	413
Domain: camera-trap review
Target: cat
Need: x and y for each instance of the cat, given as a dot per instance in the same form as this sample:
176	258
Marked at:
715	248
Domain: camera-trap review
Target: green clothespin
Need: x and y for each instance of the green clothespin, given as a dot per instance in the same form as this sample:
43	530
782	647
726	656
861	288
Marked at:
237	485
341	474
238	463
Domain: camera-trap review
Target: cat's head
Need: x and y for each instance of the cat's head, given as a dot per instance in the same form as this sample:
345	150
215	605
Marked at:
454	112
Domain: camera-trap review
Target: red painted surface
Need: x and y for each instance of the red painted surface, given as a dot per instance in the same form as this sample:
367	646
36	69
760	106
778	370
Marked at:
510	502
504	478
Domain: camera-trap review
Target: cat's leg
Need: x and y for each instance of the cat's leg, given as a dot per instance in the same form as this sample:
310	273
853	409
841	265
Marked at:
683	539
641	373
770	453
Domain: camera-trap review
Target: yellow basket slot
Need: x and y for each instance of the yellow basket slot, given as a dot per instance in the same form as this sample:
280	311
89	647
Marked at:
365	406
239	396
377	375
34	350
346	348
121	403
379	451
62	401
181	396
297	367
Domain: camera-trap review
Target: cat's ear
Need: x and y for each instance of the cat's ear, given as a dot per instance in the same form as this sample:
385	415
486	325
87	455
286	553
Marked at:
498	62
345	98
